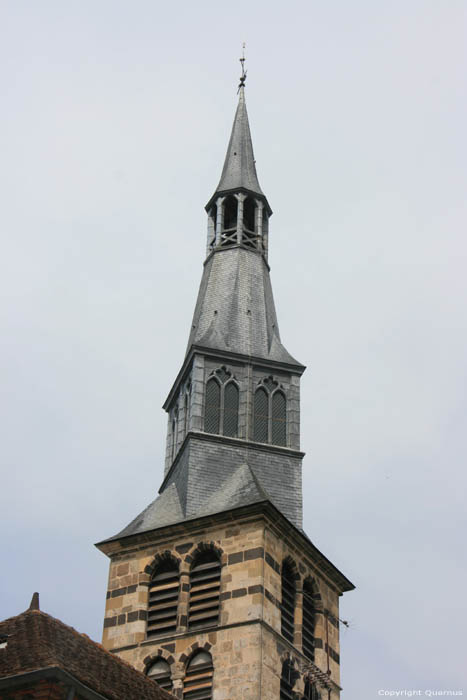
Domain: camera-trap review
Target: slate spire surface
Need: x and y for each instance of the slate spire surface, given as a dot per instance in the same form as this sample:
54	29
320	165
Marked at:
239	171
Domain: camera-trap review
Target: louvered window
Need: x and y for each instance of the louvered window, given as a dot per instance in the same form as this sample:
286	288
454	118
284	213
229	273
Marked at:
311	691
287	681
198	678
212	411
308	629
159	671
231	410
261	416
288	602
163	600
278	427
205	581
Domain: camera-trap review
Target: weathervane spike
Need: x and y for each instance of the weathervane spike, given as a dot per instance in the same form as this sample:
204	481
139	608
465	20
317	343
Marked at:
242	62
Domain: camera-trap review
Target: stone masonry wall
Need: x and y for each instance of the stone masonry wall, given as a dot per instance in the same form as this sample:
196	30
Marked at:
246	647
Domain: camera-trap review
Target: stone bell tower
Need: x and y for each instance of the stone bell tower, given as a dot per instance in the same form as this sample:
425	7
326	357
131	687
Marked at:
215	590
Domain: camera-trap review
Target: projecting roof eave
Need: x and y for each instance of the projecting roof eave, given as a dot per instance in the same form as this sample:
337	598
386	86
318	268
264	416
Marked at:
245	190
341	582
296	368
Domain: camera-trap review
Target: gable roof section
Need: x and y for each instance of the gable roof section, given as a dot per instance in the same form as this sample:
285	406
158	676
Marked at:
37	641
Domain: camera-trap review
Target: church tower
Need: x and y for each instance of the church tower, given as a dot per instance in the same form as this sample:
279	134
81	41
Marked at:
215	590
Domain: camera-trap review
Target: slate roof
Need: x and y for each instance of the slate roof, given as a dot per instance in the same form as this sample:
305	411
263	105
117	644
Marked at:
239	171
240	489
235	310
36	641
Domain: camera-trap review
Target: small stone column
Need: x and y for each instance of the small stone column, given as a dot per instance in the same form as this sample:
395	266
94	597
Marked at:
259	222
183	601
240	199
220	219
298	620
211	234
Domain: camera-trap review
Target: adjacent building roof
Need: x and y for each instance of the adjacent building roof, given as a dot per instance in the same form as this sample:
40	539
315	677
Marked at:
34	641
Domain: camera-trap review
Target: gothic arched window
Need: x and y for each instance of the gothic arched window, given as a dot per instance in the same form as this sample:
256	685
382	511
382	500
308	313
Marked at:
230	422
288	601
221	404
159	671
308	629
278	419
205	583
270	414
288	677
261	416
212	410
198	677
163	599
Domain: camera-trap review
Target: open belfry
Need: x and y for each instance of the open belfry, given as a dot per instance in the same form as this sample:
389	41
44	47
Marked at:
215	591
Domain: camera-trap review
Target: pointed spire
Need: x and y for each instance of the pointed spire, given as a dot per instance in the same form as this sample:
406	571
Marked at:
239	170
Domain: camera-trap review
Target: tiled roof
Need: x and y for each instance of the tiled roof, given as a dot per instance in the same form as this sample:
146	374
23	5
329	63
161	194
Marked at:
36	641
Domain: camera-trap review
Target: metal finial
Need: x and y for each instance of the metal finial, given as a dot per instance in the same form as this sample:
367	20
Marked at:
242	62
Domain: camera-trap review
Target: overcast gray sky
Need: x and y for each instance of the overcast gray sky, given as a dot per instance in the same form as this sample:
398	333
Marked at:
114	122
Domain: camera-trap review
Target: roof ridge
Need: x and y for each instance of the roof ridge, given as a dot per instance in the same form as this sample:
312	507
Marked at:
80	635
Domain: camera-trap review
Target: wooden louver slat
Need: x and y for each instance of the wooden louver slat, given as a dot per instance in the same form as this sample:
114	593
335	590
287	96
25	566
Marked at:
204	591
163	600
198	682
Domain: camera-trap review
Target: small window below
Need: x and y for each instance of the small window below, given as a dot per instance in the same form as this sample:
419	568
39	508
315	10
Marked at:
198	678
159	671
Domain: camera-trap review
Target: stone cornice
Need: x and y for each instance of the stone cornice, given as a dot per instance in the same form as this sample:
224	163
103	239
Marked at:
188	527
222	356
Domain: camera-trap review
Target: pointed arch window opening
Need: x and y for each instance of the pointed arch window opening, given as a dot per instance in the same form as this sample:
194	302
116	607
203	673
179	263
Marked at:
222	399
270	414
229	222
